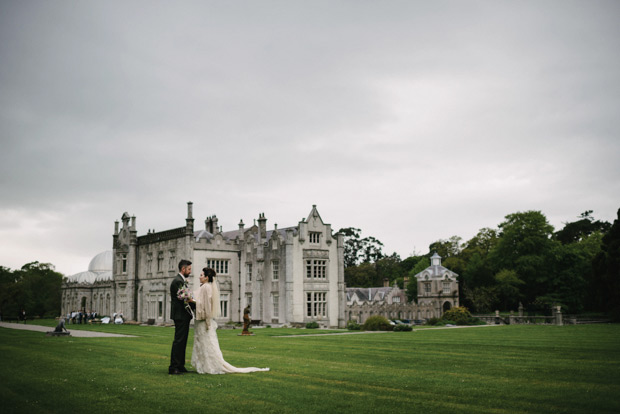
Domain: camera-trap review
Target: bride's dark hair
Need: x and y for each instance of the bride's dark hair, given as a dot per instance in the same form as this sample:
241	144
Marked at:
210	273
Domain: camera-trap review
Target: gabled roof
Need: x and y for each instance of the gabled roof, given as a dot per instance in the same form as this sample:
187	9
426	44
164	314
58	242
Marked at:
369	294
436	271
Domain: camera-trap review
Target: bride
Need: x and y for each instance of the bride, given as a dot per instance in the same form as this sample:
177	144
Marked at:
206	355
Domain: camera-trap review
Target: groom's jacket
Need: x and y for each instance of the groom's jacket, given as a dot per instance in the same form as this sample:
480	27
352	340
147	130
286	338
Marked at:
177	306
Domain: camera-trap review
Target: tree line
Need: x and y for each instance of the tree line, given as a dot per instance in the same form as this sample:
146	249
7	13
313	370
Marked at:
35	288
522	260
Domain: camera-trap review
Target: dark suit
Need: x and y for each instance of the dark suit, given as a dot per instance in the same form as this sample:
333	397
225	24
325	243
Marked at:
182	318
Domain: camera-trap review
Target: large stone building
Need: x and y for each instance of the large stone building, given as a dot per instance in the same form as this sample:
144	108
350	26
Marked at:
438	291
290	275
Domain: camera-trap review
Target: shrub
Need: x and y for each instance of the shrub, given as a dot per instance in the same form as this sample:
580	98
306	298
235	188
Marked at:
459	315
433	321
377	323
353	326
475	321
312	325
403	328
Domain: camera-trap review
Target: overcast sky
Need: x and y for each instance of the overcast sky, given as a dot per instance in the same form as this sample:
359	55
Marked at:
412	120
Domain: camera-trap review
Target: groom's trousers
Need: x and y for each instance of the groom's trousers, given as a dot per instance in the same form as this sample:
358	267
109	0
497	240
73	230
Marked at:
181	331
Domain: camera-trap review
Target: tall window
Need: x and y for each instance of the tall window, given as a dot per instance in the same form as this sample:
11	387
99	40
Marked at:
275	270
219	265
446	288
224	305
248	300
160	261
172	260
124	262
396	299
316	304
149	262
316	269
248	272
276	306
315	237
427	287
160	307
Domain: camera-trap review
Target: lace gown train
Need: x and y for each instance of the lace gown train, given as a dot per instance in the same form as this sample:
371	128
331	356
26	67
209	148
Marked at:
206	355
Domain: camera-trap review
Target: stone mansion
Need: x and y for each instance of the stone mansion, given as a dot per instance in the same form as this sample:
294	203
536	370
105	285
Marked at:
438	291
291	275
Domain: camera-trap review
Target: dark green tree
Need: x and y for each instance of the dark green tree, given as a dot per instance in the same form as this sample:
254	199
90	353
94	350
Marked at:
36	288
389	268
606	277
412	285
582	228
447	248
362	275
508	288
360	250
525	246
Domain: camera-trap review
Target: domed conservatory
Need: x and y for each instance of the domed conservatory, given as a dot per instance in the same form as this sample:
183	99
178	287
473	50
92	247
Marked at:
91	290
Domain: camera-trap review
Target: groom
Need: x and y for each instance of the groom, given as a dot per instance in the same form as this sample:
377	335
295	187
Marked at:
181	317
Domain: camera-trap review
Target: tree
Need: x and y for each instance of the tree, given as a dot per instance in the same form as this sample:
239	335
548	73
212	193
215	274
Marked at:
447	248
482	298
412	285
36	287
412	290
580	229
363	275
525	246
508	288
606	280
358	250
351	245
474	267
482	243
10	292
388	267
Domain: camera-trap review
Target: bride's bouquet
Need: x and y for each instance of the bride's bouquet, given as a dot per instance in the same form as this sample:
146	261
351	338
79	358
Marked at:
185	294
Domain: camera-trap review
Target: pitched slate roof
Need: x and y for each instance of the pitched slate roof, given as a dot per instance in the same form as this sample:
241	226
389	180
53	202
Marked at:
369	294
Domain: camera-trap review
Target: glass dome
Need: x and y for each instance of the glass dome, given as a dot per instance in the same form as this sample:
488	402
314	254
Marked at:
99	269
102	262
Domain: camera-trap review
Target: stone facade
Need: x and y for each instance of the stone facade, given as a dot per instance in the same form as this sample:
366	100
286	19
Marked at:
290	276
437	292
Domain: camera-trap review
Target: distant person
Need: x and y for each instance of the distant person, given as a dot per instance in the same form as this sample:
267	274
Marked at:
24	315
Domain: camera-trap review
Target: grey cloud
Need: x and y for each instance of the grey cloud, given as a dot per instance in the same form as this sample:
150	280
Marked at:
411	120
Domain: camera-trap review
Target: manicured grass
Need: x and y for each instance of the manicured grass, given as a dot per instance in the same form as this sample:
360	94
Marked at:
511	369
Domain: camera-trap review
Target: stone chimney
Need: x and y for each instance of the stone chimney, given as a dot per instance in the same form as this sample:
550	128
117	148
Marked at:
262	226
216	228
386	282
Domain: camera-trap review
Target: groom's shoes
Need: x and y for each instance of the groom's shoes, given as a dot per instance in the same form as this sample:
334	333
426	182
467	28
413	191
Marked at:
175	372
183	370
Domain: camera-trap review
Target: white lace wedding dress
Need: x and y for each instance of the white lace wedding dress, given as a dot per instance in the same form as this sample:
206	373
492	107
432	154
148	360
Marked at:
206	355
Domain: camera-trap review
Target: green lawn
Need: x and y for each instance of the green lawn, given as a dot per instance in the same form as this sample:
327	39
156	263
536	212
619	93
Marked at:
508	369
